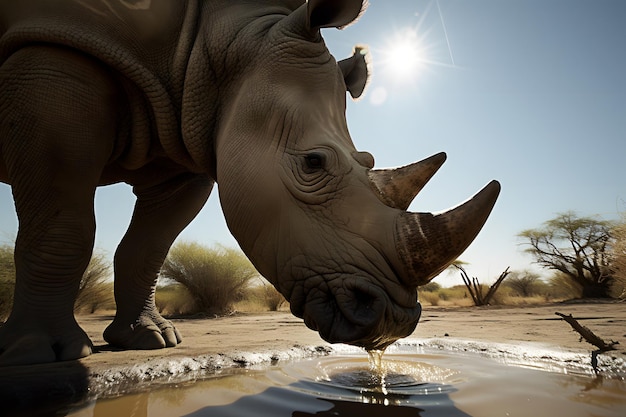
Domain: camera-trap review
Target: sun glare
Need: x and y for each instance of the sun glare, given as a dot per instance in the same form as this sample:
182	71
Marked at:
410	53
405	55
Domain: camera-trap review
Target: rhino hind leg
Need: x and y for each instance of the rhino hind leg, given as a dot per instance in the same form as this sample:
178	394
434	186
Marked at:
53	162
148	330
161	213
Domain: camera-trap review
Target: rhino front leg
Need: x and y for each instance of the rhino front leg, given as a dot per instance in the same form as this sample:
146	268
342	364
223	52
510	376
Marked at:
161	213
56	137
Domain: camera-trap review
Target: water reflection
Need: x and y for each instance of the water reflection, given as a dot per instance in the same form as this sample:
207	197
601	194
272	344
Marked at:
128	406
347	408
51	387
289	401
599	391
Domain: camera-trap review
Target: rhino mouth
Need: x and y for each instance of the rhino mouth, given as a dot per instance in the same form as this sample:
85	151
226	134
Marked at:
357	312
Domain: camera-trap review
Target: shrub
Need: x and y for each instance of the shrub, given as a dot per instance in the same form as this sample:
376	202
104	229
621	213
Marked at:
174	299
562	287
266	295
430	297
618	255
501	297
96	288
523	283
455	292
7	280
215	277
432	286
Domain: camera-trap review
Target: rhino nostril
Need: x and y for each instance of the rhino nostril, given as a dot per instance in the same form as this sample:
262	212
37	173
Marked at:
364	300
363	305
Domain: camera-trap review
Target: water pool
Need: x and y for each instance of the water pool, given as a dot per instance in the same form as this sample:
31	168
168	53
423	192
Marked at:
424	383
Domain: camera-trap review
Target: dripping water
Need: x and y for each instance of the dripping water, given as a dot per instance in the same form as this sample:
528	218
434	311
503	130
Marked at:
376	360
378	370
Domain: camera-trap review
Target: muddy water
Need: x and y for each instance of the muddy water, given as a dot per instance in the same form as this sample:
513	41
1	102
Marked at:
402	384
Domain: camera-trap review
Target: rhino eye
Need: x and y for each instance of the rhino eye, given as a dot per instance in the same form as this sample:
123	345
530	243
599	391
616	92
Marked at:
314	161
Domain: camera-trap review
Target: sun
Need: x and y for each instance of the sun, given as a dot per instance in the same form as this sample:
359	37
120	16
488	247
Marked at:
404	60
405	55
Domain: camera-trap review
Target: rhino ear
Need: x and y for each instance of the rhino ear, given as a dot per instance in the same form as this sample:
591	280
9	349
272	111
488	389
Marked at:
356	71
334	13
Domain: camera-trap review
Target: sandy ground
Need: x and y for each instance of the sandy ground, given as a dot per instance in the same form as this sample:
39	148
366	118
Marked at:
535	324
244	339
262	332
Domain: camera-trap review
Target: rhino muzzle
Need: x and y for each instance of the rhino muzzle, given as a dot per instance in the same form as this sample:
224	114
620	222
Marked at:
359	313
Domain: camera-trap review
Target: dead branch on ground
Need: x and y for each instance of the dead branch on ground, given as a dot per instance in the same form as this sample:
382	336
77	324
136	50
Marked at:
588	335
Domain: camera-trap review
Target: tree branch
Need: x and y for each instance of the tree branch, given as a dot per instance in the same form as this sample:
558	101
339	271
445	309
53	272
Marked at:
494	287
587	334
468	283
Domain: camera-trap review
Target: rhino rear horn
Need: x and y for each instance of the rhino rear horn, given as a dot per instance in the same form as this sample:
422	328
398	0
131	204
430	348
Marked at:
428	243
397	187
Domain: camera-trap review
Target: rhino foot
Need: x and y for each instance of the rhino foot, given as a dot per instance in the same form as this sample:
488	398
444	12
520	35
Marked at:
149	331
24	345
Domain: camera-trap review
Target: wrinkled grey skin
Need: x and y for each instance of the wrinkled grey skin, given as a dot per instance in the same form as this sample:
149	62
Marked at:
169	97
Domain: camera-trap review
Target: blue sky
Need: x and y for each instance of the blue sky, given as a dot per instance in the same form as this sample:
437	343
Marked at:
529	92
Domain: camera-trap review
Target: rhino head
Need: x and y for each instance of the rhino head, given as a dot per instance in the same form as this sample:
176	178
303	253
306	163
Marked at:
329	231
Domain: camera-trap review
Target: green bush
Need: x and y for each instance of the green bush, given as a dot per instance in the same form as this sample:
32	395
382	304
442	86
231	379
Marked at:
216	278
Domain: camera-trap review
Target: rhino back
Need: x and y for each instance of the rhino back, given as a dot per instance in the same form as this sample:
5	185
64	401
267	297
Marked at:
147	42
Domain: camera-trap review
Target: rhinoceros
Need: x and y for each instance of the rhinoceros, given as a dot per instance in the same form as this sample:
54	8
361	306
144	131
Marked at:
171	97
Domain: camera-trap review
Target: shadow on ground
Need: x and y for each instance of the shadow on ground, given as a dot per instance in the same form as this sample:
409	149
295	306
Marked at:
42	390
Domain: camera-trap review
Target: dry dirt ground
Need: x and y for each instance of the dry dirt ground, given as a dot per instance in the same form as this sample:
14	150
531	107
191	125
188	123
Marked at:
243	339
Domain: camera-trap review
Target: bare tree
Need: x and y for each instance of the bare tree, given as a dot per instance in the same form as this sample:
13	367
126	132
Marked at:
578	248
476	289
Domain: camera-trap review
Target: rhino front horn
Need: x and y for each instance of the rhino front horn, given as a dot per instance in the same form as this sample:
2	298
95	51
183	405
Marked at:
428	243
397	187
